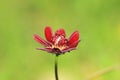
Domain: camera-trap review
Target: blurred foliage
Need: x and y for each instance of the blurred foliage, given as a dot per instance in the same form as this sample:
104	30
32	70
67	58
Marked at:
97	20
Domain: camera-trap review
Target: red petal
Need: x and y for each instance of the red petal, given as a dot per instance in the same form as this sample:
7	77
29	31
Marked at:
46	49
68	49
60	32
74	44
48	34
41	41
74	37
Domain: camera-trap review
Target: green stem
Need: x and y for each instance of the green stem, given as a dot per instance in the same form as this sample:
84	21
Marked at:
56	67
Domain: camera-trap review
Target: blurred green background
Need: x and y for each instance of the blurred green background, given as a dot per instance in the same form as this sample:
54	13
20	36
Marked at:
97	20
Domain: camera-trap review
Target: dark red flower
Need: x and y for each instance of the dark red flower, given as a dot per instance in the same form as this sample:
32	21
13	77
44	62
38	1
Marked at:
58	43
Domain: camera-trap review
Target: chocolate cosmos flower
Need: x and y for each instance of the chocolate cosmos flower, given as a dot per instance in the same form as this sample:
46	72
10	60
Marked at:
58	43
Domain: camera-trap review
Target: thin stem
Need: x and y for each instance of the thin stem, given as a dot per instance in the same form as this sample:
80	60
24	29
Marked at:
56	67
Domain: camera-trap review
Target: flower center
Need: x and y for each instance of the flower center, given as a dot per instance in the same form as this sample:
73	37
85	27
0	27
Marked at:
59	42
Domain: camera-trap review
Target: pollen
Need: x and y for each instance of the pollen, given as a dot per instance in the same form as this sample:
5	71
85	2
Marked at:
59	47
